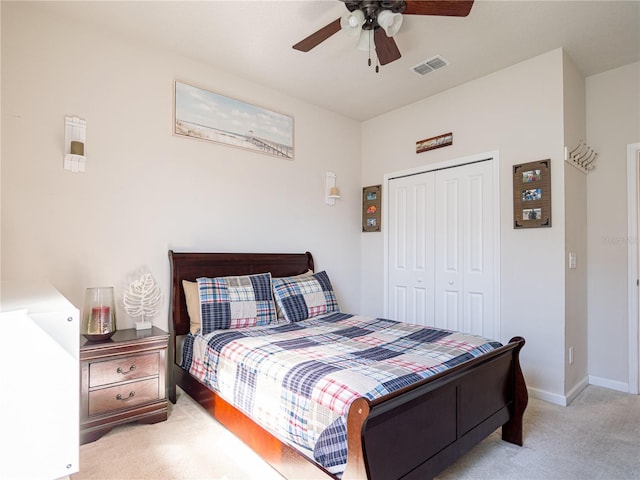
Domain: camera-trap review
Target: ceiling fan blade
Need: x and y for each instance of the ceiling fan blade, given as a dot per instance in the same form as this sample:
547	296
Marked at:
450	8
318	37
386	47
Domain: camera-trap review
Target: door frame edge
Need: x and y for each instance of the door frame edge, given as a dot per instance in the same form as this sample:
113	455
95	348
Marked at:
633	153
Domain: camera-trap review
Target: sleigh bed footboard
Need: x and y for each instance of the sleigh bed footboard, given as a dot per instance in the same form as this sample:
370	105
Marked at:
419	431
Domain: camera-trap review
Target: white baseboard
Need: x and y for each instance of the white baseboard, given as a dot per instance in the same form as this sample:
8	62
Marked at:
548	396
610	384
573	393
564	400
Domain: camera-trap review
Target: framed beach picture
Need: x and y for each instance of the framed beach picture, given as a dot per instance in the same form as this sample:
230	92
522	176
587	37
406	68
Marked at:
206	115
532	194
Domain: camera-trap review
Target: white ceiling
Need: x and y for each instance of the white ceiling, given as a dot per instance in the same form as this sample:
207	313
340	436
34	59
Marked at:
253	39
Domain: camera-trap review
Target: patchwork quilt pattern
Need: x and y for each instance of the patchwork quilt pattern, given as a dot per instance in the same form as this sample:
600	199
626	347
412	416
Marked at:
299	379
235	302
305	296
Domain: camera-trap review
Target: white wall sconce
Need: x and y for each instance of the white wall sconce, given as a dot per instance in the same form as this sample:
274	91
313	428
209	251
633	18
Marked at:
75	136
331	190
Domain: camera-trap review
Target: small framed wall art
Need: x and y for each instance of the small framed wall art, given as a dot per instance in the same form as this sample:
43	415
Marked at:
532	194
371	203
443	140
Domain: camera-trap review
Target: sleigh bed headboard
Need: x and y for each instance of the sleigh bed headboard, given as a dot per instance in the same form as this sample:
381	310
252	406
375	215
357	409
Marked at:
190	266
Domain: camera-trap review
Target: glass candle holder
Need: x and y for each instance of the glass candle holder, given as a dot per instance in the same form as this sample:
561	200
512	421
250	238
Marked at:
98	314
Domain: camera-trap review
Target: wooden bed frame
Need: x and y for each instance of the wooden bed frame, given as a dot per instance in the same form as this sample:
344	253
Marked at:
413	433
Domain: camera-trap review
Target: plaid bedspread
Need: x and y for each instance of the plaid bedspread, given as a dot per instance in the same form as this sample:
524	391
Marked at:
299	379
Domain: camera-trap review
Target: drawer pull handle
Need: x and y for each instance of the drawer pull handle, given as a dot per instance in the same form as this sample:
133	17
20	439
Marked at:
131	369
131	395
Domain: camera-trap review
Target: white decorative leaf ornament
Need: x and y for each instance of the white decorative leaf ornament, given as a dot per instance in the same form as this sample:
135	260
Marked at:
143	299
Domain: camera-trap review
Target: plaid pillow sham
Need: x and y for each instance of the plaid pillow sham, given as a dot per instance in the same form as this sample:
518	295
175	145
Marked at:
305	297
279	312
236	302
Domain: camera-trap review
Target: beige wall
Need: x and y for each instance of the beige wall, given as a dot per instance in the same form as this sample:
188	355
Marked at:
518	112
613	122
146	191
575	199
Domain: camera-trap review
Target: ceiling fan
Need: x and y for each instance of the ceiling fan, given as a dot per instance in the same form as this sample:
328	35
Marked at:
376	22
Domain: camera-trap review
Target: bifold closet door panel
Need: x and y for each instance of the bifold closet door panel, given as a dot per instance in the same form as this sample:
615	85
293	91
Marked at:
411	247
440	248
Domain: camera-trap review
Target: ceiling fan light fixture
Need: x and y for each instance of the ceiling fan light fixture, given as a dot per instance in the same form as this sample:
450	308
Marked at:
366	42
390	22
351	23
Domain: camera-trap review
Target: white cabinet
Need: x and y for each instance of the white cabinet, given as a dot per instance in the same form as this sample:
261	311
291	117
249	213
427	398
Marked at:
39	405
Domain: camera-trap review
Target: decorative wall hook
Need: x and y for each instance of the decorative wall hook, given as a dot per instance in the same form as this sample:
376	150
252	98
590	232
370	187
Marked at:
583	157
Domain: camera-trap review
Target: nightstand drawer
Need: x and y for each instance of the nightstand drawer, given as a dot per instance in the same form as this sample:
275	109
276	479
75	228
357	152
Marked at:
123	396
122	369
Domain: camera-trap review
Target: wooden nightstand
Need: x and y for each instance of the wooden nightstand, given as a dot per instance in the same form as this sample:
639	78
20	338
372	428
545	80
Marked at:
122	380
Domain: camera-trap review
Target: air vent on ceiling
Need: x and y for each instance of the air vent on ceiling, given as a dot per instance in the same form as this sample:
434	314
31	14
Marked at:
430	65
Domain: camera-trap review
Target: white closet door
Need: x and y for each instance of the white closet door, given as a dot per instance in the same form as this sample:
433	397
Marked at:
448	252
411	268
440	262
464	276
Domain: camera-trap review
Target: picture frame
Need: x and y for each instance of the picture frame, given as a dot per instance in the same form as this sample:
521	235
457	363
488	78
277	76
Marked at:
427	144
532	194
371	208
206	115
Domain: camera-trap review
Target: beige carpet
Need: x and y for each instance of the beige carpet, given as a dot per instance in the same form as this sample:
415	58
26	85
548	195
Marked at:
596	437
